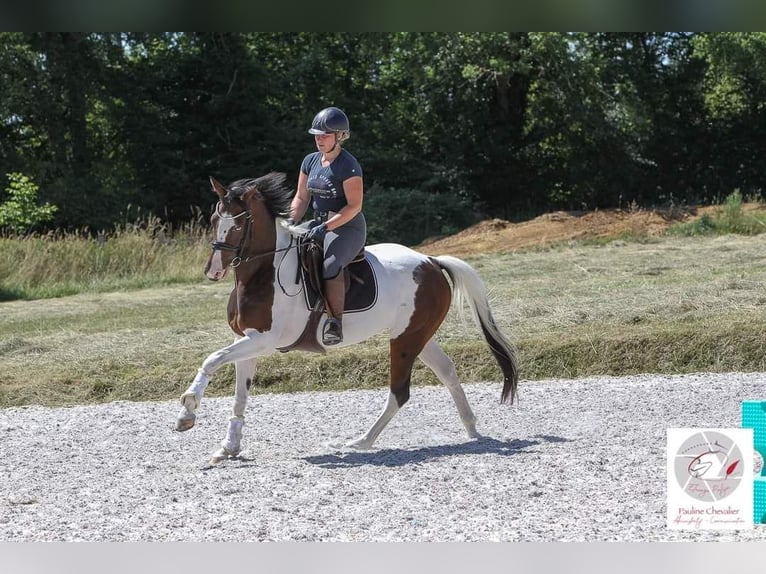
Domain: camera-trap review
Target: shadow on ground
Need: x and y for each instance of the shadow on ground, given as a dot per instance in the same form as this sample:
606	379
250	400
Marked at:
401	457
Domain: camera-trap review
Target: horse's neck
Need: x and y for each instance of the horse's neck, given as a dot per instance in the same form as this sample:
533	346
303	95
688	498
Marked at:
257	294
258	273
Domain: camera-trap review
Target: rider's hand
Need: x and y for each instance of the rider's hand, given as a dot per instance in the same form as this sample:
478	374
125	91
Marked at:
316	233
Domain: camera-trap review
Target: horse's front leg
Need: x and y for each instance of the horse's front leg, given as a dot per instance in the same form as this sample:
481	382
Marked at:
243	348
231	445
190	400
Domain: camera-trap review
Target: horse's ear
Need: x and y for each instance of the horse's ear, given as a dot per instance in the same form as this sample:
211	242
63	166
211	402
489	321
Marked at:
217	187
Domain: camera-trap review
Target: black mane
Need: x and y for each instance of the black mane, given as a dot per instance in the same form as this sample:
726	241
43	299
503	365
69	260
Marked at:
271	188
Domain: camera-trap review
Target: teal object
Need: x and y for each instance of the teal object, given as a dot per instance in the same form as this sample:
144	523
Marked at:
754	417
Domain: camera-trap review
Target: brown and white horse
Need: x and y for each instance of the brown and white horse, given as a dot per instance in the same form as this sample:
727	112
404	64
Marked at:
413	298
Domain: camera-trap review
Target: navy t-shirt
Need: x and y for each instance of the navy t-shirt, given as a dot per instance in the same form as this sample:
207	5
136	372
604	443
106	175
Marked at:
325	184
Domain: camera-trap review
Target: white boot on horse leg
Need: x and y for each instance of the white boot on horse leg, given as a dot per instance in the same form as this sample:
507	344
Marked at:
190	401
231	446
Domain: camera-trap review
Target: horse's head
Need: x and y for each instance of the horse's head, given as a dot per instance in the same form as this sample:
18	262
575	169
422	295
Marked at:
231	223
243	221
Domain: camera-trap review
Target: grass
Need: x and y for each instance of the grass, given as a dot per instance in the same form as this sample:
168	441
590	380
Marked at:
731	217
134	256
670	305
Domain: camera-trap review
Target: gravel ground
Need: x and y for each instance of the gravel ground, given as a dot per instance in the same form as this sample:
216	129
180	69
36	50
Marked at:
580	460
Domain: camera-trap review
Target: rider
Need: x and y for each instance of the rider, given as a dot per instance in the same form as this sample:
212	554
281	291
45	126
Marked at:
332	179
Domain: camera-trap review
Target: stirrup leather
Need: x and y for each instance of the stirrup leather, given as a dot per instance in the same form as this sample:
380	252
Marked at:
332	332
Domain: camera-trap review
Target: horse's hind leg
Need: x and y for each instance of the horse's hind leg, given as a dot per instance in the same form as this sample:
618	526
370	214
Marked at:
400	376
438	361
231	445
367	439
432	301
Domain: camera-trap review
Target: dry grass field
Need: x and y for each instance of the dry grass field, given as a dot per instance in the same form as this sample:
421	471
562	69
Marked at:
576	297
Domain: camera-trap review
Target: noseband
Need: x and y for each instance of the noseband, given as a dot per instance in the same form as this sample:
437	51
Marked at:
223	246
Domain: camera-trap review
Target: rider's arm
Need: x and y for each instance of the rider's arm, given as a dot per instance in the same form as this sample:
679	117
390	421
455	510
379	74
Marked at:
352	187
301	200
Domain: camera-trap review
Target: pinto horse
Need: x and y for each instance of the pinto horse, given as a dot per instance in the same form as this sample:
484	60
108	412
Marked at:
412	298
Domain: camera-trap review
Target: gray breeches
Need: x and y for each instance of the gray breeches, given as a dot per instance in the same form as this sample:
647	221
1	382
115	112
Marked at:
341	245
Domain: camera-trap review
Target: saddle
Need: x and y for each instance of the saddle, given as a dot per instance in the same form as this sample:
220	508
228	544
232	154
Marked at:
361	291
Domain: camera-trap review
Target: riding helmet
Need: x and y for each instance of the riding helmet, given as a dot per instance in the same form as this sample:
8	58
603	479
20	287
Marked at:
331	120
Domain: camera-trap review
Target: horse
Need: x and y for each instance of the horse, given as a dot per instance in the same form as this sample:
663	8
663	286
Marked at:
410	299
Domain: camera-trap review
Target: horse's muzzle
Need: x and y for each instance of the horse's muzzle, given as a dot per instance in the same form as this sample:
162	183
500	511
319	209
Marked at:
215	270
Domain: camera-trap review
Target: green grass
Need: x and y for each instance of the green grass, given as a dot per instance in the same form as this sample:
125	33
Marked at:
669	305
134	256
148	254
731	217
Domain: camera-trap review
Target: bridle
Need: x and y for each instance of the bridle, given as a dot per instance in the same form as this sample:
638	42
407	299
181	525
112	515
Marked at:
223	246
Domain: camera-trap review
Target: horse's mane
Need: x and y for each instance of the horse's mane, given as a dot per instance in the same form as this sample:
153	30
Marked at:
271	187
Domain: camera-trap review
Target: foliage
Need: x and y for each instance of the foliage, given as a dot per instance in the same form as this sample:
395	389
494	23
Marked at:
520	123
409	216
730	218
736	72
733	89
20	211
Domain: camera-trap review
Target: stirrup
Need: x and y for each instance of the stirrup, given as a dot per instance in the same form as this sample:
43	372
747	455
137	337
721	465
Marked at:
332	332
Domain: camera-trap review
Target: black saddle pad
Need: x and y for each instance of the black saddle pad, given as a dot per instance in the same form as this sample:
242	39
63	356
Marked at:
362	291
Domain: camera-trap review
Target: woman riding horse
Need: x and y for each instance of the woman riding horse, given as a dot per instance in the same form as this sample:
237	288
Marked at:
332	178
413	294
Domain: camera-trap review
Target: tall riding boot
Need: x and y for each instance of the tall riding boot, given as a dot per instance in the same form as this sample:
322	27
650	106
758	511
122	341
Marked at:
335	293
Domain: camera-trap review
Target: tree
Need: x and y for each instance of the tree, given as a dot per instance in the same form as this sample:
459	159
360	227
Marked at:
734	90
20	212
515	123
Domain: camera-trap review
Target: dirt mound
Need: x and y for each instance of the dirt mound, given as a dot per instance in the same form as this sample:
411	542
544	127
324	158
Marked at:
498	235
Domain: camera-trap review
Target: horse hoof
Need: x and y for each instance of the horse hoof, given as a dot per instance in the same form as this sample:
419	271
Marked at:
474	434
222	454
185	422
359	445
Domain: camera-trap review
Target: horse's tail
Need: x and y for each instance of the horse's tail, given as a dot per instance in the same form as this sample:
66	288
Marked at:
467	285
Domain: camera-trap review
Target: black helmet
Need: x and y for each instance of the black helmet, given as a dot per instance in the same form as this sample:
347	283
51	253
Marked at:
331	121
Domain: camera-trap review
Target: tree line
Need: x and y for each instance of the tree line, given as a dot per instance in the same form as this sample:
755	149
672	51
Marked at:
508	125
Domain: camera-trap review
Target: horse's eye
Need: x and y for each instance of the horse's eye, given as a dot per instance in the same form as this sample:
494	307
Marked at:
237	227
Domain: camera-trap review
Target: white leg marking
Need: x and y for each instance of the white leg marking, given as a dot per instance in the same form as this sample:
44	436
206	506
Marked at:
366	441
243	348
246	347
438	361
245	371
231	445
190	400
197	389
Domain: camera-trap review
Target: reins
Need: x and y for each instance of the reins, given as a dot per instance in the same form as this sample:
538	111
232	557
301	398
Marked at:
238	260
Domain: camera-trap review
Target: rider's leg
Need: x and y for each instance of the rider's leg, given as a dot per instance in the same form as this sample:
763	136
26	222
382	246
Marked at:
335	292
341	245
